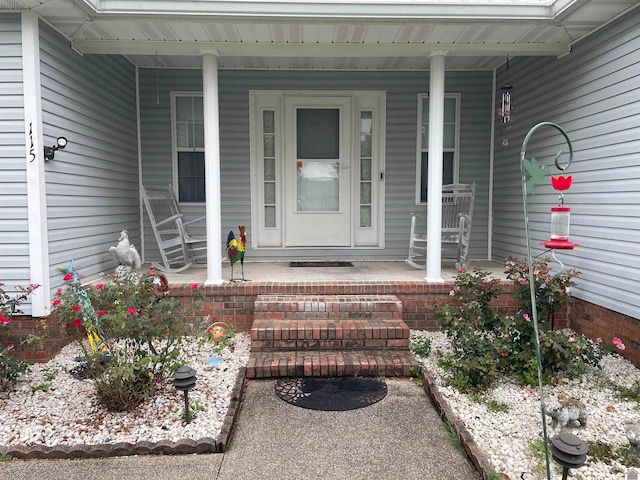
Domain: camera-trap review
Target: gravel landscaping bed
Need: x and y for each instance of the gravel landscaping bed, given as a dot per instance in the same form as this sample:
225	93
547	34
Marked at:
50	407
505	421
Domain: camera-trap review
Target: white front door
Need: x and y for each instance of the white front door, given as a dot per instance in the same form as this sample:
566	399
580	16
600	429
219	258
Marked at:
317	164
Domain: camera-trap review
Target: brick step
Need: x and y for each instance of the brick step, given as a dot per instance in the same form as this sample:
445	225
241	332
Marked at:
334	363
360	334
327	306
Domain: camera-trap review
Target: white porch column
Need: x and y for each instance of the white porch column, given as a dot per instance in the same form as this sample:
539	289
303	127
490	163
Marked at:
434	172
212	166
36	191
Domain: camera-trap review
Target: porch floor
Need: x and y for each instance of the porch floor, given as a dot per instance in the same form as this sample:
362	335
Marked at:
365	271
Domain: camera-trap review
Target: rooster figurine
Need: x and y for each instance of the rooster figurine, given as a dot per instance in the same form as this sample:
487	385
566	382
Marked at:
125	253
235	251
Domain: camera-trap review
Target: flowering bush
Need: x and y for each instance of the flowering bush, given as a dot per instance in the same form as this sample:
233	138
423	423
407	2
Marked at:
551	291
133	333
486	343
11	368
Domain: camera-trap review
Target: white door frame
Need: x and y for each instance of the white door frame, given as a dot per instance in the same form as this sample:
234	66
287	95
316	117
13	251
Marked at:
268	231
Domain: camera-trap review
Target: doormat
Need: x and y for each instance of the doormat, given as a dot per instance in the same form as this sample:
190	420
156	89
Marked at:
321	264
331	394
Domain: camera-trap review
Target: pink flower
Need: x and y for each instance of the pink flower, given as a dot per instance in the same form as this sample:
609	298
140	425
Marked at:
194	286
452	293
7	320
67	277
77	308
100	313
521	281
100	286
11	347
599	340
618	343
77	323
572	338
59	292
56	302
132	311
151	267
152	274
526	317
462	270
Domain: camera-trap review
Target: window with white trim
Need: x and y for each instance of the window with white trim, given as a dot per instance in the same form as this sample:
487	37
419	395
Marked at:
450	150
188	147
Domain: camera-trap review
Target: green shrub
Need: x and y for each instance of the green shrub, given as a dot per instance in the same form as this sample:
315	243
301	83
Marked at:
420	345
134	333
486	344
11	367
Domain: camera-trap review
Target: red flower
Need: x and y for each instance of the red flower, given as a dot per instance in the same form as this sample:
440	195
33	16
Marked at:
194	286
59	292
152	274
100	313
77	323
68	277
151	267
100	286
132	311
561	183
56	302
77	308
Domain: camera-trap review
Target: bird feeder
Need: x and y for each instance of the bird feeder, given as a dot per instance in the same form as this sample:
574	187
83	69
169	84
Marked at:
184	379
569	452
560	218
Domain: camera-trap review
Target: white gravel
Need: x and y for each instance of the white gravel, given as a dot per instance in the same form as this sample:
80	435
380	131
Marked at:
68	412
505	436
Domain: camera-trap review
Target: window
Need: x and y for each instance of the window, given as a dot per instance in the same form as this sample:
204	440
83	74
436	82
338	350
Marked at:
450	143
188	131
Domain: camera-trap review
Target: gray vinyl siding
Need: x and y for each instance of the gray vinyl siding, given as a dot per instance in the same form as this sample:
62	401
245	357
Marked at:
14	230
593	94
401	89
92	185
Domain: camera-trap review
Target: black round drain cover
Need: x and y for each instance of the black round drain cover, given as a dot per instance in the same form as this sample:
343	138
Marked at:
334	394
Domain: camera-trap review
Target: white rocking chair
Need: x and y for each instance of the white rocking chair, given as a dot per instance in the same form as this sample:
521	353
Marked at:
457	213
178	249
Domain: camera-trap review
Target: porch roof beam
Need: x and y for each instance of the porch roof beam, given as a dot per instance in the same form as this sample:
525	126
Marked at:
145	47
332	9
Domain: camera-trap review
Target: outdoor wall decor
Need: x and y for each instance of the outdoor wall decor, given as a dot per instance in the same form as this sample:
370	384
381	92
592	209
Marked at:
505	107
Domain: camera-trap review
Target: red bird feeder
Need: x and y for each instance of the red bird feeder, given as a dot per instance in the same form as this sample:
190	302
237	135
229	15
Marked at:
560	216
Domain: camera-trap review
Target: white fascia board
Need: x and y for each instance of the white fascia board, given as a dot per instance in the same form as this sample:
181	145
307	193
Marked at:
144	47
454	10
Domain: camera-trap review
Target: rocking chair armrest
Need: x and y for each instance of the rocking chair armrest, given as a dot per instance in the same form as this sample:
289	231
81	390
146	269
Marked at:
169	219
199	219
419	215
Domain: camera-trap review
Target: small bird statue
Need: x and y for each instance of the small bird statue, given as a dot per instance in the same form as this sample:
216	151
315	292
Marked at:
235	251
125	253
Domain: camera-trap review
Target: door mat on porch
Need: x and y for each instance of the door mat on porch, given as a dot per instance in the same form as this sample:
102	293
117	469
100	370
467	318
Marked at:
331	394
321	264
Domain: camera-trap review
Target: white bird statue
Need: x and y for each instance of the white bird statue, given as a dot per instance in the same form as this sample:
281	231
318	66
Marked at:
125	253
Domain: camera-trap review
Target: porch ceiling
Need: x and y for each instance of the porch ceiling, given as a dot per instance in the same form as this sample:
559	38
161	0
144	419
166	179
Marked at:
327	34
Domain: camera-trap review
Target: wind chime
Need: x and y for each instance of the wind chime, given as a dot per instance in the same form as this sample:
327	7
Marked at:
504	107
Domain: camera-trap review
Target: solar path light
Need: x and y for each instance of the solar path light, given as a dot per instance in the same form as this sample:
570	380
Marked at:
184	378
569	452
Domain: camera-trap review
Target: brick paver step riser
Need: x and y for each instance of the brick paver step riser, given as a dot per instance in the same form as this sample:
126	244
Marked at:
341	335
324	363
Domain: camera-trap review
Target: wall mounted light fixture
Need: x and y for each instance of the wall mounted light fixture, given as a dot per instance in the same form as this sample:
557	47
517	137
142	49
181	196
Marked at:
49	152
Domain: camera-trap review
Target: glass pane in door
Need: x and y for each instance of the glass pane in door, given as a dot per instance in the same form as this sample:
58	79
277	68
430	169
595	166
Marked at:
318	186
318	133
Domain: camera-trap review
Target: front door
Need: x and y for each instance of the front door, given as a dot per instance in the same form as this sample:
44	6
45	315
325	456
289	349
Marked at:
317	171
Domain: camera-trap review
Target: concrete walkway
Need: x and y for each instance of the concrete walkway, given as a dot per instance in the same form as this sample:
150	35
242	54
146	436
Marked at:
400	437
